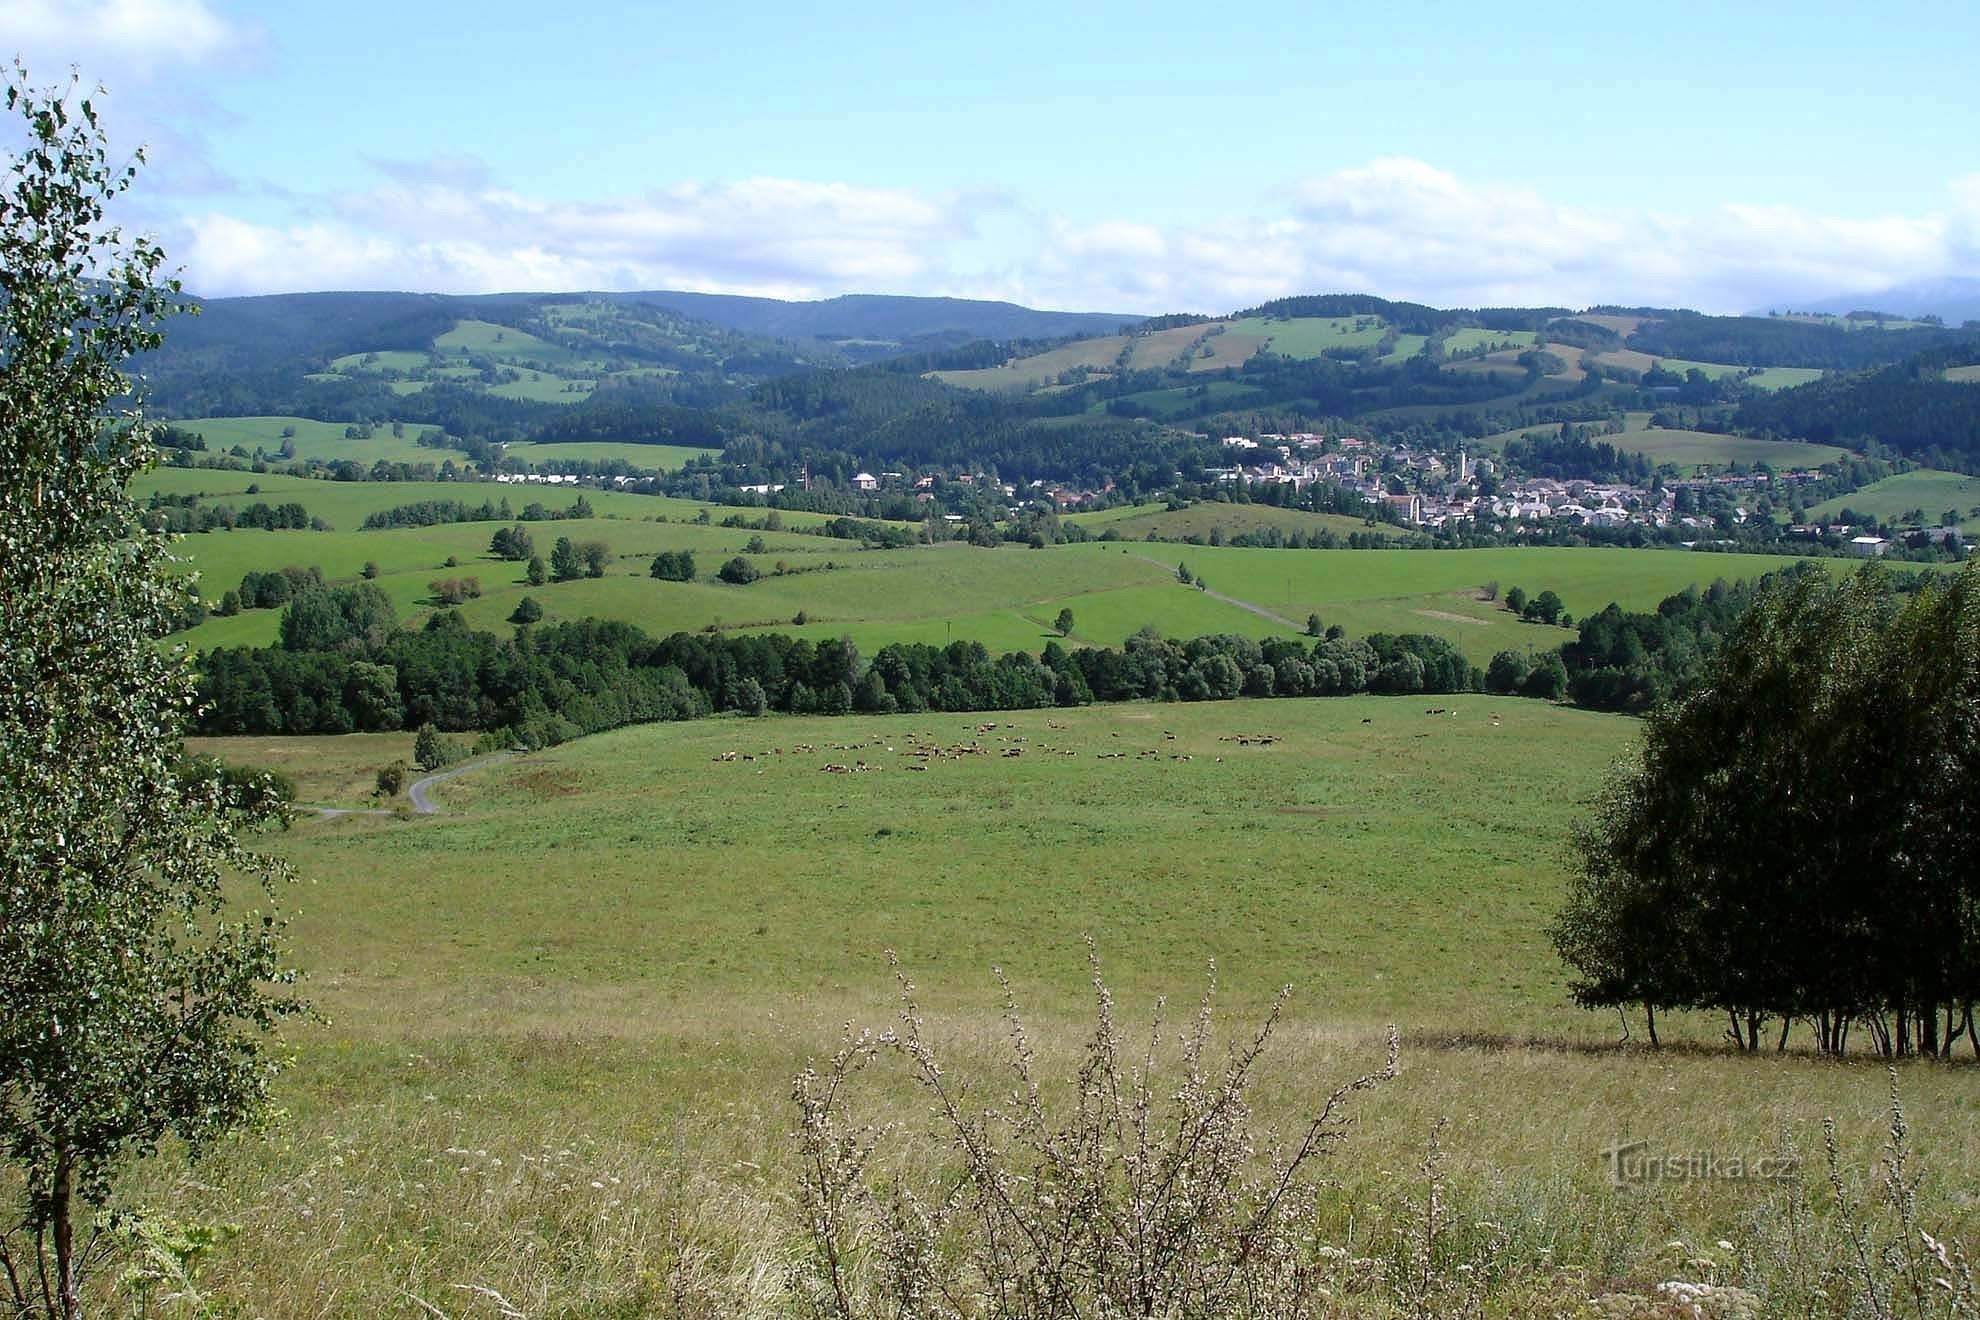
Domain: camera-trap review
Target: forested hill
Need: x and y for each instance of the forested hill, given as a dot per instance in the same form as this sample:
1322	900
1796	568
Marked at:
885	319
1927	408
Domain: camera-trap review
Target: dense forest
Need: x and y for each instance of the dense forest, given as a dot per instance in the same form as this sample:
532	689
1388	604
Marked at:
1771	341
1909	406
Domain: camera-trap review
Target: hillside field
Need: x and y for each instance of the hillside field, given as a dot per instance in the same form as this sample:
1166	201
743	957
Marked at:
557	1023
1926	489
323	441
1006	597
1689	450
646	458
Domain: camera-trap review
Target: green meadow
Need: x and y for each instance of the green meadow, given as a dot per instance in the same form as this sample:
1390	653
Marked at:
1969	374
1310	336
1689	450
1041	368
647	458
1925	490
1006	597
1781	378
1630	359
1136	522
506	343
323	441
556	1023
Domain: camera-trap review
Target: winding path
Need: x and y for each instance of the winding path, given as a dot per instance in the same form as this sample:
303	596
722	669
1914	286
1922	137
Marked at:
421	804
1259	610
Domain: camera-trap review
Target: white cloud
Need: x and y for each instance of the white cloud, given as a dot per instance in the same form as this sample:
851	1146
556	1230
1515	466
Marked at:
99	35
1398	227
156	57
448	230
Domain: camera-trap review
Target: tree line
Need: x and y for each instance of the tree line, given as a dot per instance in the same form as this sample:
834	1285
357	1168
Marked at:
343	665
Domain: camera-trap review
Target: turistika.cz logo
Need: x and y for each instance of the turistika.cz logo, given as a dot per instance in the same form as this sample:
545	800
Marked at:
1634	1163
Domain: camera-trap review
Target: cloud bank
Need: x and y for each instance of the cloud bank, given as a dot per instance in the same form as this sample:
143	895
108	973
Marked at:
1399	227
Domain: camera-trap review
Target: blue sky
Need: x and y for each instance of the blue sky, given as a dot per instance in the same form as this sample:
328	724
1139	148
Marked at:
1143	157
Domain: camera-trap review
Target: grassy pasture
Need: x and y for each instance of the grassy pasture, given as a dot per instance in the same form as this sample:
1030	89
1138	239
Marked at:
1226	350
328	772
540	388
345	504
1622	325
1421	590
323	441
1407	346
1040	368
1473	338
1630	359
648	458
1781	378
1135	523
1162	348
1004	597
505	343
1180	399
1690	449
1310	336
379	361
558	1021
1927	488
1969	375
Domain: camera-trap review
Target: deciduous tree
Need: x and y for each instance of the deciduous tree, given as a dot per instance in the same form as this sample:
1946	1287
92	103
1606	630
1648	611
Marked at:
135	993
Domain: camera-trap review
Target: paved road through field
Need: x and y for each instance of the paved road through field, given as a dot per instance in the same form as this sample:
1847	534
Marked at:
417	793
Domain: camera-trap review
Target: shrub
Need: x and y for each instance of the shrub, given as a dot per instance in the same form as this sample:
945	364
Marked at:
392	779
1145	1198
738	571
673	566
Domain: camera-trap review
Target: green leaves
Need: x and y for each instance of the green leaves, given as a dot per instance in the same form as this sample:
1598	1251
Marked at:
134	996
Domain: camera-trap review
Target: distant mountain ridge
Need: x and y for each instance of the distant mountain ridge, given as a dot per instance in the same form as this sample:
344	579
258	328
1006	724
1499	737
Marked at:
887	317
1954	299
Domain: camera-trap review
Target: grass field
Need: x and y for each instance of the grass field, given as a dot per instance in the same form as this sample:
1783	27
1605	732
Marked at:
1970	374
558	1021
1180	399
379	362
1927	490
1407	346
540	388
1134	523
1687	450
647	458
1004	597
323	441
1225	350
1468	340
1781	378
328	772
1622	325
1310	336
1630	359
1041	368
1161	349
346	504
504	343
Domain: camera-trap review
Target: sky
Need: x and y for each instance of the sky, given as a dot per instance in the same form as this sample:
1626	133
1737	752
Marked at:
1135	158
